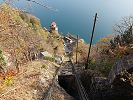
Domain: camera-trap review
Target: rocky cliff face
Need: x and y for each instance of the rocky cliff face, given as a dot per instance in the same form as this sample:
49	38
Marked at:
22	37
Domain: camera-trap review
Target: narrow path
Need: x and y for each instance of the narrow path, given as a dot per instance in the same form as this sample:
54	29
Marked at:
47	94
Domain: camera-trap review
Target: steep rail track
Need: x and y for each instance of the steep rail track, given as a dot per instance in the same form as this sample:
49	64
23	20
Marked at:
71	70
81	91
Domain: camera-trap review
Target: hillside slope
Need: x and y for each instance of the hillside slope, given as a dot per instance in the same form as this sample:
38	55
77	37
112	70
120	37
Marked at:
21	38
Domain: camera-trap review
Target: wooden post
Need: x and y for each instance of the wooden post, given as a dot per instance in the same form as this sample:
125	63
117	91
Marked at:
77	50
86	66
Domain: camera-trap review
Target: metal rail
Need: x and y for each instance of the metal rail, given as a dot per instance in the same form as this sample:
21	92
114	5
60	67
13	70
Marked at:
81	91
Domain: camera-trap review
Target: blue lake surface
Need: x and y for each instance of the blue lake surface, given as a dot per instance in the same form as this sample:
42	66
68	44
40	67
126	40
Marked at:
76	16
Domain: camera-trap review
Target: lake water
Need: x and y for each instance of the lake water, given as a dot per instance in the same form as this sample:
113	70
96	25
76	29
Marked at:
76	16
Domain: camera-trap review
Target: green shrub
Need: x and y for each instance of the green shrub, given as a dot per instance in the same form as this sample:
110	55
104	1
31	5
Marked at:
2	60
52	59
44	67
24	17
8	81
34	21
103	66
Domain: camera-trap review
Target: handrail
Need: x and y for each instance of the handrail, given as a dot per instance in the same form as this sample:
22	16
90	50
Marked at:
81	91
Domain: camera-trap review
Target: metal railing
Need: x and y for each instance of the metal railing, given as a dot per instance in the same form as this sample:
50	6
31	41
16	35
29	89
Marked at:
81	91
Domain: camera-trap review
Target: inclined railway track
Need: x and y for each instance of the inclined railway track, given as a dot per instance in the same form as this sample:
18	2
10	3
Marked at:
81	91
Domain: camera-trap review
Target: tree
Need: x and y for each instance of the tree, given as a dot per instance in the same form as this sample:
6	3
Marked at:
124	29
124	25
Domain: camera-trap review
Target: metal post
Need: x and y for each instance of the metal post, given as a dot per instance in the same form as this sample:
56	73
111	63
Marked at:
91	41
77	50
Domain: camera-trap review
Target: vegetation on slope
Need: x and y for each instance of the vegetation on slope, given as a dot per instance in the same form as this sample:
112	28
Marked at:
21	38
21	34
110	49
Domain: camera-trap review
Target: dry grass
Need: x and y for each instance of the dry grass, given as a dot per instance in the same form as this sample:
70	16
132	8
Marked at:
30	83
